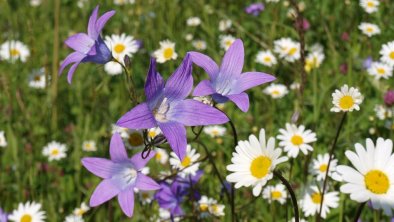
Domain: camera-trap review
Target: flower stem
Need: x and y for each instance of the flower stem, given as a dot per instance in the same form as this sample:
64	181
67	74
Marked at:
359	210
130	82
292	195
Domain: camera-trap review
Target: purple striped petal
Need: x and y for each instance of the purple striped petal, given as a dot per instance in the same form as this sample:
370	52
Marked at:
103	20
80	42
154	82
251	79
117	150
191	112
233	61
75	57
105	191
180	83
146	183
205	62
140	117
176	137
70	73
100	167
126	201
241	100
92	23
139	162
203	88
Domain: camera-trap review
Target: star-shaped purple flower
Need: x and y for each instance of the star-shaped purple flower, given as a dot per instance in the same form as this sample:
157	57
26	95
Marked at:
121	175
88	47
167	108
227	82
170	197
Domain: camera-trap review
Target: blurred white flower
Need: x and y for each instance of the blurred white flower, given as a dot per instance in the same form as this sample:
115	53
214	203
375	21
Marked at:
166	52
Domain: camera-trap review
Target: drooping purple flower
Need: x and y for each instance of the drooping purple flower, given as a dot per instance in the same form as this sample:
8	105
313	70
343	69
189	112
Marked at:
188	181
367	62
170	197
255	8
227	82
389	98
167	108
88	47
121	175
3	216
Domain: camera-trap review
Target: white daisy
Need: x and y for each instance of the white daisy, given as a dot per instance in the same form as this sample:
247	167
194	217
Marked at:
113	68
312	199
29	211
369	6
35	3
80	211
319	166
37	79
161	156
387	53
226	41
165	215
123	2
216	209
134	139
188	165
254	162
316	47
153	132
199	44
146	197
287	49
380	70
294	139
295	86
81	3
166	52
214	131
277	193
73	218
346	100
203	204
314	60
372	177
123	132
89	146
266	58
369	29
193	21
189	37
224	24
3	141
382	112
13	50
54	151
276	91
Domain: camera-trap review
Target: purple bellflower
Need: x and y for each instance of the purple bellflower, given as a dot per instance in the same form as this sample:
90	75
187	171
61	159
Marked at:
227	82
3	216
121	175
170	197
255	9
88	47
167	108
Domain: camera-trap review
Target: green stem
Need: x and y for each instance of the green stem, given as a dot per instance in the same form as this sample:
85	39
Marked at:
292	195
358	212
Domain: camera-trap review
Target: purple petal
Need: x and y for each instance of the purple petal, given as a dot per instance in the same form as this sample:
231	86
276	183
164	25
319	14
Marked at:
205	62
146	183
191	112
203	88
105	191
154	82
140	117
71	72
233	60
116	149
139	162
75	57
80	42
92	23
241	100
100	167
251	79
103	20
126	201
180	83
176	137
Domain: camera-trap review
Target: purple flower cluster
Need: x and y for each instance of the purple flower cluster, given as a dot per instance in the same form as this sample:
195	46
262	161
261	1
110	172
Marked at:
255	8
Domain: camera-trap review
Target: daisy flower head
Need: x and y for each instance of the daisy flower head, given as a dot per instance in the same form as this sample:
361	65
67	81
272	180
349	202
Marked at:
346	99
276	91
275	193
113	68
203	204
216	209
382	112
295	138
199	44
226	41
153	132
193	21
3	141
123	2
30	211
120	46
371	178
35	3
224	25
253	162
73	218
287	49
89	146
122	131
380	70
13	50
214	131
188	165
37	79
189	37
266	58
210	205
387	53
319	167
369	29
369	6
161	156
134	139
80	211
314	60
165	52
54	151
312	199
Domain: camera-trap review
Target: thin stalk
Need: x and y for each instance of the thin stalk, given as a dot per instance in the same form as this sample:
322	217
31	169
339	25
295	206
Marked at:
359	210
292	195
130	82
55	65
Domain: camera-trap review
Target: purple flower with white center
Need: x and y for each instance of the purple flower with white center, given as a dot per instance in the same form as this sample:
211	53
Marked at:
170	197
88	47
227	82
3	216
121	175
255	8
167	108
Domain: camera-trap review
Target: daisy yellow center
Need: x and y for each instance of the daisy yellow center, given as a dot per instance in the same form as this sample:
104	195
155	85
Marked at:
369	29
158	156
168	52
186	161
377	182
119	48
79	212
370	4
228	43
316	198
297	140
346	102
275	92
54	152
260	166
292	51
215	132
15	52
276	194
215	208
135	139
381	71
26	218
203	207
152	134
323	168
267	59
392	55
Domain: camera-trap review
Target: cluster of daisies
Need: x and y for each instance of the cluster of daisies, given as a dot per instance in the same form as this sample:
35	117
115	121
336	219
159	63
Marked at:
369	29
